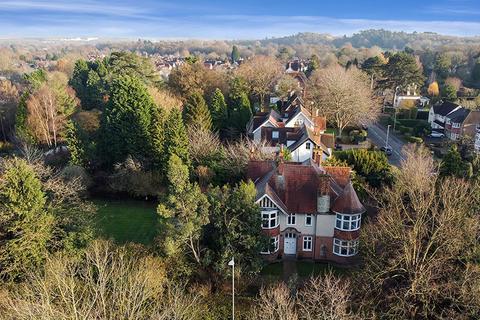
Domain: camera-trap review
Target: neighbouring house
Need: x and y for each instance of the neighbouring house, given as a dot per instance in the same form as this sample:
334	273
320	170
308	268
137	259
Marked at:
462	123
292	116
308	211
302	142
438	113
293	128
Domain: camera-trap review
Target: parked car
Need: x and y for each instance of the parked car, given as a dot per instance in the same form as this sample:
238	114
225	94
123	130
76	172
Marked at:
338	147
436	134
387	150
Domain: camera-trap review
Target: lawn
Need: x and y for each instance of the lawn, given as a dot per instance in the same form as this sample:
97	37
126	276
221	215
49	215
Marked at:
126	220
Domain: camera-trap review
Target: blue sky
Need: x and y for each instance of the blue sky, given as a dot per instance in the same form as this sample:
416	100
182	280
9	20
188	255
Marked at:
241	19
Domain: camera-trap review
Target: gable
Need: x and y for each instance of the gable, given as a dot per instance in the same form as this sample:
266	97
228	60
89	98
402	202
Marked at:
265	202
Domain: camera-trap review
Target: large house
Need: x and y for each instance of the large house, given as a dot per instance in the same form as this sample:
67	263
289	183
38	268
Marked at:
293	128
438	113
302	142
308	211
454	120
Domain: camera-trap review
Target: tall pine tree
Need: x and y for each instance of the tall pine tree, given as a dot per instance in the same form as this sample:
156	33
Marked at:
176	139
126	122
196	113
218	110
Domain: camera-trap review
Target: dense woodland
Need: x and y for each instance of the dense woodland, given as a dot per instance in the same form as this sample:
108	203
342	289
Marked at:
112	126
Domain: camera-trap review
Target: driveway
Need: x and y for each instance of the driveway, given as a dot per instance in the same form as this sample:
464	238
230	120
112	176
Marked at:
377	134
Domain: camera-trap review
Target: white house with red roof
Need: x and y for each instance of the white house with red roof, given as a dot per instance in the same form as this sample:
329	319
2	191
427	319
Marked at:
308	211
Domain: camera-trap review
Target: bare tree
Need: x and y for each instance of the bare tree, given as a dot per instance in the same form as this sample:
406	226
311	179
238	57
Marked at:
43	117
344	96
261	74
286	85
105	283
326	297
275	303
421	248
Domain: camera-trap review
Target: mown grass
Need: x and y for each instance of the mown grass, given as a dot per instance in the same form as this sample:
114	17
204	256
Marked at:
126	221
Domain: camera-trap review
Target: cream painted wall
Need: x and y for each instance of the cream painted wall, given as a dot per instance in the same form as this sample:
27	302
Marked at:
302	153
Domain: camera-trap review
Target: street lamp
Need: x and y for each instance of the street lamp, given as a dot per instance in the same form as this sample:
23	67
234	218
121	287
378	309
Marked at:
386	140
232	264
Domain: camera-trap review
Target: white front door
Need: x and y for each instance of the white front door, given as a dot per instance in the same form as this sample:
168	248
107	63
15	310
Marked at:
290	243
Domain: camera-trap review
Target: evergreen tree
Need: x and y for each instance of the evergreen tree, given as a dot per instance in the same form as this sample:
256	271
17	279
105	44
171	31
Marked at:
21	128
158	138
402	70
94	91
184	213
235	56
452	164
75	143
233	230
79	80
476	71
196	113
25	223
449	92
242	112
218	109
126	122
176	139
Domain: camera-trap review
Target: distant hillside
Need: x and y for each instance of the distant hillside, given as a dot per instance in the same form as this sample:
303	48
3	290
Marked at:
381	38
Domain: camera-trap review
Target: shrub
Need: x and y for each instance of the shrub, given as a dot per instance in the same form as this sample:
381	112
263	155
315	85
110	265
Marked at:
415	139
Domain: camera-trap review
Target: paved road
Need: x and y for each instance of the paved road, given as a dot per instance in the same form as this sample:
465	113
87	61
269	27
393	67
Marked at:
378	134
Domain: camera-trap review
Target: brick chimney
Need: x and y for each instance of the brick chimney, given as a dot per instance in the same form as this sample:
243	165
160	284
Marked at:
323	195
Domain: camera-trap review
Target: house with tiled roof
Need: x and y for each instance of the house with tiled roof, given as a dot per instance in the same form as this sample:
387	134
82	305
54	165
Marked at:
438	113
303	143
462	123
308	211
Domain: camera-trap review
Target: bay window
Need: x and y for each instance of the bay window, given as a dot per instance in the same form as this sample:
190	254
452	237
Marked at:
272	245
269	219
345	248
347	222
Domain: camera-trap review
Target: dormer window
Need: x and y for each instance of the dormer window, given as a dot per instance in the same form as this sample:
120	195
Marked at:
274	134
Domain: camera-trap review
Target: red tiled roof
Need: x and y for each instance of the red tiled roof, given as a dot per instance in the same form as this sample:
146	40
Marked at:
348	201
295	187
340	174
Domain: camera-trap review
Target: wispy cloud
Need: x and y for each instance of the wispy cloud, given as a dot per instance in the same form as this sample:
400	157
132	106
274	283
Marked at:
162	20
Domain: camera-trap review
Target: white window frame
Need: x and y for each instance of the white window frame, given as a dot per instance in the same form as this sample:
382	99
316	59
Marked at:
275	134
345	248
309	215
291	219
271	217
348	222
275	241
307	240
456	125
308	145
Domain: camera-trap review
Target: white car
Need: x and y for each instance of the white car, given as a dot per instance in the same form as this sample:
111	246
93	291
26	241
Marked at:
435	134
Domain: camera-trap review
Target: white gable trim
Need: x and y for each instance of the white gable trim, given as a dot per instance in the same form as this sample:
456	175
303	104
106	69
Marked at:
263	124
304	115
276	204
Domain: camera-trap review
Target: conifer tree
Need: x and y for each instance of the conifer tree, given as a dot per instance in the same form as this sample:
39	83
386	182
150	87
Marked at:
25	224
75	143
218	109
176	139
126	122
243	112
158	137
196	113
